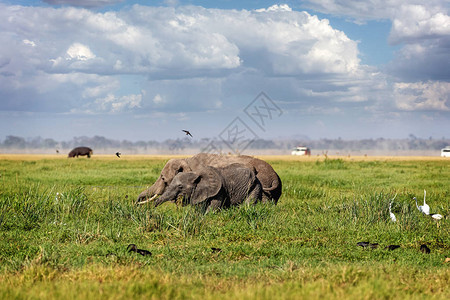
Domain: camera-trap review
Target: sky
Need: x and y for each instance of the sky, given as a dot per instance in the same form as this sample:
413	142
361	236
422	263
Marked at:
145	70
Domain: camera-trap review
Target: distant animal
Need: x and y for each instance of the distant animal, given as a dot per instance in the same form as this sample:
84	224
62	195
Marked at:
214	188
425	209
133	248
187	132
118	154
393	218
214	249
392	247
424	248
57	151
81	151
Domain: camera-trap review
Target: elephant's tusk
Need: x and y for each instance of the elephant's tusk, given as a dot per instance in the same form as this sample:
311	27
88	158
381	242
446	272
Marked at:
148	200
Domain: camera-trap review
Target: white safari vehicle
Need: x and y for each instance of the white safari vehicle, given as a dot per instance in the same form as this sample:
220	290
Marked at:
445	152
301	151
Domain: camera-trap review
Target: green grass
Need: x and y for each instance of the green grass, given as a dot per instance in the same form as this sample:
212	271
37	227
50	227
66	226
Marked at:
65	225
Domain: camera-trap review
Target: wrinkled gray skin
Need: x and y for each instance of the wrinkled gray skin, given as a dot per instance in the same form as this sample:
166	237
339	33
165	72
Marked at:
269	179
214	188
80	151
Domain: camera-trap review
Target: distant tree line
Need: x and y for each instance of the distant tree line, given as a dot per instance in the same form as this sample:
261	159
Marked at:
100	142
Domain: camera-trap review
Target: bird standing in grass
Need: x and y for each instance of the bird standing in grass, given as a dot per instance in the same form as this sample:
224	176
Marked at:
367	244
425	209
134	248
424	248
392	247
436	216
393	218
118	154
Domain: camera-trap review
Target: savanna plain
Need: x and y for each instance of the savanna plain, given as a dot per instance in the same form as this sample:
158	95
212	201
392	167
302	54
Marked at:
65	225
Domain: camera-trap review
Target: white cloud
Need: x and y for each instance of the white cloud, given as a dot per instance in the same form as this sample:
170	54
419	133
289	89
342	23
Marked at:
115	104
421	28
276	7
431	95
193	57
28	42
184	41
79	52
418	22
187	59
158	99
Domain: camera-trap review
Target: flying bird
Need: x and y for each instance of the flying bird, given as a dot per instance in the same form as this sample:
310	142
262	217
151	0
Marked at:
118	154
393	218
425	209
187	132
133	248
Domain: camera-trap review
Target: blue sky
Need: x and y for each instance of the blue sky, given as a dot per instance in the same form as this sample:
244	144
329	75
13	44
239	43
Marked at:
144	70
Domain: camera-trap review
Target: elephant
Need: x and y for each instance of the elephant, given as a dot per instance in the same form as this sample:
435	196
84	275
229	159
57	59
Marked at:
213	188
81	151
269	179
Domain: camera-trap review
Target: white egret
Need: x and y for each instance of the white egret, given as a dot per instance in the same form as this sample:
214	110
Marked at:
436	216
393	218
425	209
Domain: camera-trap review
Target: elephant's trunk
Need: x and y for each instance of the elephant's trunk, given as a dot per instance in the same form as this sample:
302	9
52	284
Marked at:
161	200
152	192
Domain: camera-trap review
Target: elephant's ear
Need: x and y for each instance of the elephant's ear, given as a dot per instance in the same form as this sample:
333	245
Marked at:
178	166
172	168
208	185
183	166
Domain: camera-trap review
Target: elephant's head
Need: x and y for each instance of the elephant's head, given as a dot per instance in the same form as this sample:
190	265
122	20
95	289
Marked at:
170	170
196	188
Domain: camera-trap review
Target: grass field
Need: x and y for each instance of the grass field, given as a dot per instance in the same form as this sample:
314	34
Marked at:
65	225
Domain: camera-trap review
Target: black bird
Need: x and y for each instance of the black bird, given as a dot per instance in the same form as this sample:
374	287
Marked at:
214	249
374	245
363	244
133	248
187	132
57	151
392	247
425	249
118	154
367	244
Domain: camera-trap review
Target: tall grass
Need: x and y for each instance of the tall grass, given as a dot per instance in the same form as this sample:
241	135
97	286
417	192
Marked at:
65	226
